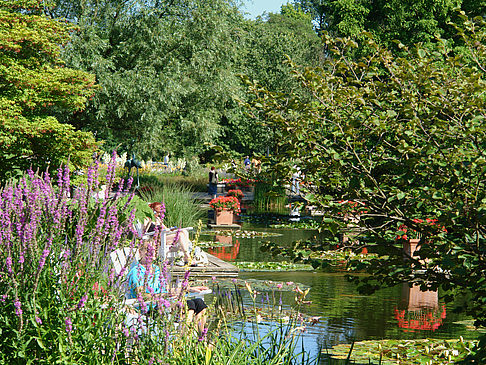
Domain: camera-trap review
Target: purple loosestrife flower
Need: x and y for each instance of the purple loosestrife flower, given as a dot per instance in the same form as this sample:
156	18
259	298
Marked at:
143	305
69	324
166	340
8	264
176	237
119	190
203	335
185	281
82	301
18	307
166	303
111	277
150	256
42	260
89	179
129	184
110	172
125	331
38	320
45	253
67	181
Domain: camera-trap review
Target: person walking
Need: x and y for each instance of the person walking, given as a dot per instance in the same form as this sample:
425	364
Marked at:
213	182
247	162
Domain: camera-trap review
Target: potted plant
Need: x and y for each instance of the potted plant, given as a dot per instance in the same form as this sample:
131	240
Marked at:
225	207
411	237
237	193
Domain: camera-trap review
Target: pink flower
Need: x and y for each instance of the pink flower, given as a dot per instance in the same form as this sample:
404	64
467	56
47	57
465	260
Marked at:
279	286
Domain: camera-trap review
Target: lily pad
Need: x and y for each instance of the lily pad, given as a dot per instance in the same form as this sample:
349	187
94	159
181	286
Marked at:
404	352
241	234
272	266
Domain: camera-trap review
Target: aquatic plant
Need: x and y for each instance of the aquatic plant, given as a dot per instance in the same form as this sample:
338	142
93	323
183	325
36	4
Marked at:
406	352
272	266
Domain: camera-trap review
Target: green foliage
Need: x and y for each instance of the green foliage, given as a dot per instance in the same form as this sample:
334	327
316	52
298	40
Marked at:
169	71
181	209
195	178
35	86
269	198
268	44
166	70
405	135
410	21
302	224
242	233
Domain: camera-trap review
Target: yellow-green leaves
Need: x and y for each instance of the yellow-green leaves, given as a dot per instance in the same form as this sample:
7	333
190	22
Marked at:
35	85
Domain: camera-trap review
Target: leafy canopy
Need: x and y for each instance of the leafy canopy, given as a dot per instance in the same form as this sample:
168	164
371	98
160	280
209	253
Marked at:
34	86
411	21
405	137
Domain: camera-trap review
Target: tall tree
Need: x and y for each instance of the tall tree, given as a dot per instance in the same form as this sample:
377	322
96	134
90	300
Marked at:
270	42
165	68
35	86
409	21
404	137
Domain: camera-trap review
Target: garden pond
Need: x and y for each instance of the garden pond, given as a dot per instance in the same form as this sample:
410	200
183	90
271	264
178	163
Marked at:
341	314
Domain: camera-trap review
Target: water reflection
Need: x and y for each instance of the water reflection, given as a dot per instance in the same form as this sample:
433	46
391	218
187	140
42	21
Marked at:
419	310
229	251
399	312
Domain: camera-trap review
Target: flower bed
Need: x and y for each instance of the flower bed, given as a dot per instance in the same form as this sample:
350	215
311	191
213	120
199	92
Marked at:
242	182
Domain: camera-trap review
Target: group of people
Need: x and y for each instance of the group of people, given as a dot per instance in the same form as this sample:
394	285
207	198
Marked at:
257	164
145	279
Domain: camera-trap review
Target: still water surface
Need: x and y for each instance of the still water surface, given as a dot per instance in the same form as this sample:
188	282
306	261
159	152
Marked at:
347	316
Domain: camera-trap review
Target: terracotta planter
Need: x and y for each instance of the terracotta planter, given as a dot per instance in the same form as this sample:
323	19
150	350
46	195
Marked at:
224	239
224	217
410	246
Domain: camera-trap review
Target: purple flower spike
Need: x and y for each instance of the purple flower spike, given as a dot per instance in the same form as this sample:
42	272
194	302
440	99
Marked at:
69	324
18	307
8	263
203	335
38	320
82	301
